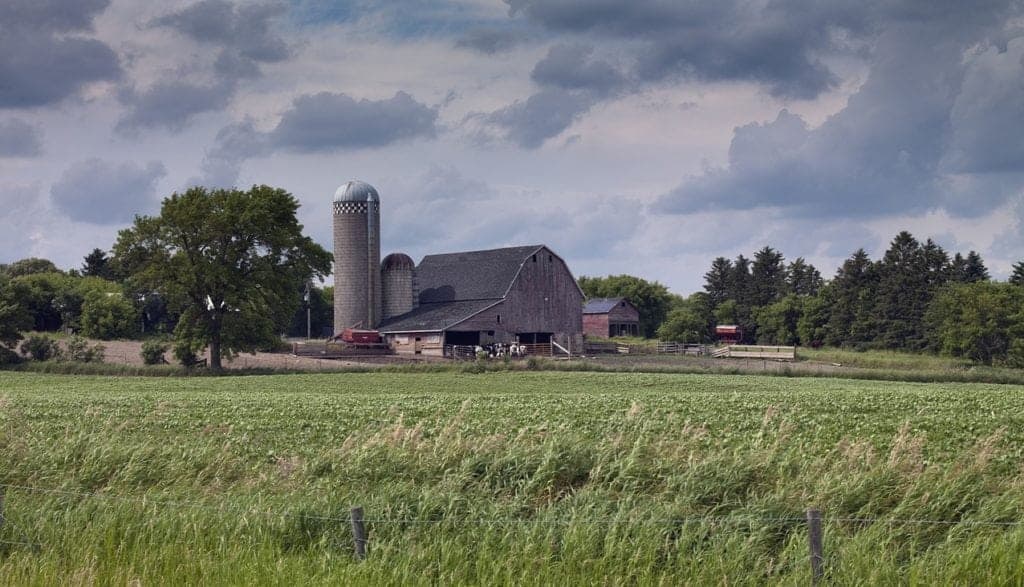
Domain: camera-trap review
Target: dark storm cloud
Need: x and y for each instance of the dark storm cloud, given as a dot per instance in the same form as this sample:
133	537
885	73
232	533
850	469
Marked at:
327	121
489	40
244	30
573	81
45	53
939	110
245	39
101	192
19	139
777	44
570	67
172	104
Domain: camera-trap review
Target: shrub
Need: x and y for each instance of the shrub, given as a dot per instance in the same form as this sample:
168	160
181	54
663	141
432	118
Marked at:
8	357
153	351
107	316
40	347
186	352
79	351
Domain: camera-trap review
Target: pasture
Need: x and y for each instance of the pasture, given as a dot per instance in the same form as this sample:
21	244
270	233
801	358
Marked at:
507	477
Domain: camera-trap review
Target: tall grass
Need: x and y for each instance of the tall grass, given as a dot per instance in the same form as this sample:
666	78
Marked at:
507	478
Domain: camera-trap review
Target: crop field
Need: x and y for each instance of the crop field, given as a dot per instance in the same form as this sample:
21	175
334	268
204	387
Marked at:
508	478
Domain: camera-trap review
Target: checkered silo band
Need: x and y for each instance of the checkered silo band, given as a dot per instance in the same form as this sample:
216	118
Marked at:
355	207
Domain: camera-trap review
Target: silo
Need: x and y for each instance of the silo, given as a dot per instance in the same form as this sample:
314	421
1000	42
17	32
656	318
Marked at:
357	291
396	271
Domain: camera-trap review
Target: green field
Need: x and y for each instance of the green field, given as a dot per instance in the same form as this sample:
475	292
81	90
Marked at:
508	477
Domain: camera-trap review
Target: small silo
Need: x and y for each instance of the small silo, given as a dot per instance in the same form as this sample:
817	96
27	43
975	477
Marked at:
396	273
357	291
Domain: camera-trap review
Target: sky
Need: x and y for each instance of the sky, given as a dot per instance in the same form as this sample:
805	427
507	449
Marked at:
643	137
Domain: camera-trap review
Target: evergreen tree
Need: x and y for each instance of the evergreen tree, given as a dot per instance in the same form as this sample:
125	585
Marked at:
937	262
742	295
973	270
903	294
802	278
97	264
1017	277
718	281
768	277
852	293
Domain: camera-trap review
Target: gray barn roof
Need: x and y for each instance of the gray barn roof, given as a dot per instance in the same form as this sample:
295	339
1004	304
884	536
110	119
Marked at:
601	305
435	317
472	275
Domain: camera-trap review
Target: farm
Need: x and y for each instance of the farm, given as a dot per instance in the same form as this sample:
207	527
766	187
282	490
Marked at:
507	477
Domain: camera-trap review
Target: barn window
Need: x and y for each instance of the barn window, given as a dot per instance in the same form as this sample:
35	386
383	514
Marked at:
535	257
550	258
490	333
499	318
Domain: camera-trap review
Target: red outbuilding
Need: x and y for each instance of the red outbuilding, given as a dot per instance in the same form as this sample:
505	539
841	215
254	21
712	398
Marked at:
607	317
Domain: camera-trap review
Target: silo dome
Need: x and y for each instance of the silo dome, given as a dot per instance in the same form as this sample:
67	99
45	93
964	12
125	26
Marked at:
356	191
397	261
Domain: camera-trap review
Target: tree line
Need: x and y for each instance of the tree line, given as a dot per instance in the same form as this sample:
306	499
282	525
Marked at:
916	297
219	269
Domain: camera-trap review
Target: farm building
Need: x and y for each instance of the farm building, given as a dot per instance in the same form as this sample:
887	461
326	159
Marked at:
517	294
729	334
607	317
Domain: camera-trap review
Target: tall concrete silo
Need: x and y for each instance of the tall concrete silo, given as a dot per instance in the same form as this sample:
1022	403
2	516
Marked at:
396	275
357	291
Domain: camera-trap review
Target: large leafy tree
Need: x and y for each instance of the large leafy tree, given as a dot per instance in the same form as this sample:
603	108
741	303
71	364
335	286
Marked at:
691	320
651	298
233	261
30	266
981	321
14	317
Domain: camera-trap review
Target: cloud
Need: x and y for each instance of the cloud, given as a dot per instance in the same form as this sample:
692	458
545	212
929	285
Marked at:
172	104
327	122
488	40
233	145
570	67
529	123
243	31
777	44
101	192
911	139
44	55
244	38
19	139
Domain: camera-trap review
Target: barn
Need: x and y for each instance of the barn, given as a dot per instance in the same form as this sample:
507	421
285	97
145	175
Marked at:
517	294
607	317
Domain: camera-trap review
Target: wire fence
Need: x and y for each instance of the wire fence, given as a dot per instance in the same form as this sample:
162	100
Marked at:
812	520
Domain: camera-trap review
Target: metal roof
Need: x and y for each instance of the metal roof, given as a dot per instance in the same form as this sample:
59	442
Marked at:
436	317
601	305
472	275
356	191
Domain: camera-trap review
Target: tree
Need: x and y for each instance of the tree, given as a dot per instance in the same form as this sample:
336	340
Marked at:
321	312
903	294
812	327
651	298
97	264
14	319
768	277
802	278
980	321
31	266
1017	277
972	270
690	320
777	322
718	281
852	301
231	260
107	316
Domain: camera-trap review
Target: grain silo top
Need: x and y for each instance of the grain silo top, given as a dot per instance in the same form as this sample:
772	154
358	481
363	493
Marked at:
356	191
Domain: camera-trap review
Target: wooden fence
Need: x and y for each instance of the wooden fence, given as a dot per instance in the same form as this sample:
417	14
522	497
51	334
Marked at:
748	351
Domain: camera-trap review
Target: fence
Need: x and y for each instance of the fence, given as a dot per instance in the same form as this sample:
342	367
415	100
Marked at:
468	352
812	521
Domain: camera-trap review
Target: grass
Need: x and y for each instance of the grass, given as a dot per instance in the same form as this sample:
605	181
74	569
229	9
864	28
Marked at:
507	478
877	359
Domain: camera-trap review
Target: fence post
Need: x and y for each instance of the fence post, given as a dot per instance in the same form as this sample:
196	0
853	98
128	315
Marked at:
815	539
359	532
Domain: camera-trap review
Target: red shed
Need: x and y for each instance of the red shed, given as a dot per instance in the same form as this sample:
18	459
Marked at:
729	334
607	317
